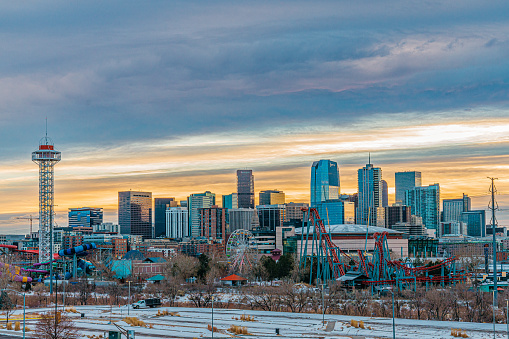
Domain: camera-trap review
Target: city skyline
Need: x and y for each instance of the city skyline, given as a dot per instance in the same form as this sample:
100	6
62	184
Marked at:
160	97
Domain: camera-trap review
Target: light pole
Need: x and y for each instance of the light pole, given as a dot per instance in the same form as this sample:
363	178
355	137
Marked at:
129	304
393	322
507	317
8	289
212	317
494	333
63	285
323	306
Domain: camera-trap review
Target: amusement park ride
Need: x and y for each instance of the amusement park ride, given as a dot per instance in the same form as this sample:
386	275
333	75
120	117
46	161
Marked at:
31	272
375	270
241	250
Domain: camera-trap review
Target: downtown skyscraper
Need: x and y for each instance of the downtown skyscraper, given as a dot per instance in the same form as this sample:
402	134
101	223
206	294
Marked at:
195	202
425	203
325	189
369	181
324	181
406	181
160	205
245	189
135	213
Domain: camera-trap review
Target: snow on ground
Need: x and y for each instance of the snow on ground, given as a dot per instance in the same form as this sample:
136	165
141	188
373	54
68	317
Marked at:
192	323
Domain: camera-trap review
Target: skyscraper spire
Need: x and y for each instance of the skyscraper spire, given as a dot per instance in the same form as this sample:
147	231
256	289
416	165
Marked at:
369	158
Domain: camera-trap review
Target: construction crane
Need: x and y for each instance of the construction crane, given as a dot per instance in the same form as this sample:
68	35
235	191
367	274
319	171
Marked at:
31	218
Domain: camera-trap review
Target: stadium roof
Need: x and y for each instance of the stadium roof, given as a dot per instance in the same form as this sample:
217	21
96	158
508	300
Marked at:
351	229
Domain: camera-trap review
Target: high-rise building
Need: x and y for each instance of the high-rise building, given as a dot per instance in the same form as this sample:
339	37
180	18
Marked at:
406	181
294	211
106	227
160	214
194	203
425	203
240	218
271	197
135	213
395	214
370	195
452	208
476	222
245	189
324	181
213	223
385	194
336	212
230	201
413	227
271	216
85	217
177	222
451	228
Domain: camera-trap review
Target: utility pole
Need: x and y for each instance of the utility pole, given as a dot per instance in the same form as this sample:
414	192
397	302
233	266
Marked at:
493	228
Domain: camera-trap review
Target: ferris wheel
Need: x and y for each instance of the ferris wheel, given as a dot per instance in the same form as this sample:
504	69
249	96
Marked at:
241	250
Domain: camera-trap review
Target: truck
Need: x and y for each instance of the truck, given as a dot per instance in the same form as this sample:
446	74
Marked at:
147	303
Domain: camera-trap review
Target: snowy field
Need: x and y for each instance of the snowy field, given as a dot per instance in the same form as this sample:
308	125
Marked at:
192	323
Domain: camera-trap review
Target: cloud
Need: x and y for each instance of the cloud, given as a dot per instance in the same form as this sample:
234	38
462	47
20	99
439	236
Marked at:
144	95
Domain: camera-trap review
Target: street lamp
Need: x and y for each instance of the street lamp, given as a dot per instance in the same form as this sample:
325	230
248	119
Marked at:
212	317
393	322
129	304
494	320
8	289
323	306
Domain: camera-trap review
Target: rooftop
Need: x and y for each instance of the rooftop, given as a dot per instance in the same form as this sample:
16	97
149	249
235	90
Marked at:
233	277
351	229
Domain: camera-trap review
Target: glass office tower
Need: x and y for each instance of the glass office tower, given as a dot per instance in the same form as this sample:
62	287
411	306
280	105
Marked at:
369	182
452	208
476	222
160	214
85	217
324	181
271	197
245	189
135	213
406	181
425	203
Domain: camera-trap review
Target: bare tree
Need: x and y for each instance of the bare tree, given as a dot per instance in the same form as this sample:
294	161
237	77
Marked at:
171	288
115	291
438	303
263	297
360	302
296	298
56	326
201	294
181	266
416	301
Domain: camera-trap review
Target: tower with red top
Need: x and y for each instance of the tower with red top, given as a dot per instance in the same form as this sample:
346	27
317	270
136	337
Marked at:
46	157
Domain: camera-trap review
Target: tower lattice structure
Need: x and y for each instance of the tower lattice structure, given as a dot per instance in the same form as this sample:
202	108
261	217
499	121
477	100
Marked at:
46	157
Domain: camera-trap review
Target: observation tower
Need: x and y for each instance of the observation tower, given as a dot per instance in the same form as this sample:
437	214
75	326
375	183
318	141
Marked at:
46	157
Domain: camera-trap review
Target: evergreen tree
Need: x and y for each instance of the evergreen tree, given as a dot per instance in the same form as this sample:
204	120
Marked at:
203	266
6	304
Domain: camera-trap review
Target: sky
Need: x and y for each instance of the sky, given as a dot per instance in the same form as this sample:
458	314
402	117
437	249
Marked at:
173	97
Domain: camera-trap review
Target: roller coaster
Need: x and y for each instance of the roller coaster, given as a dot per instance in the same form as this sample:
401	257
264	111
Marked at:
375	269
